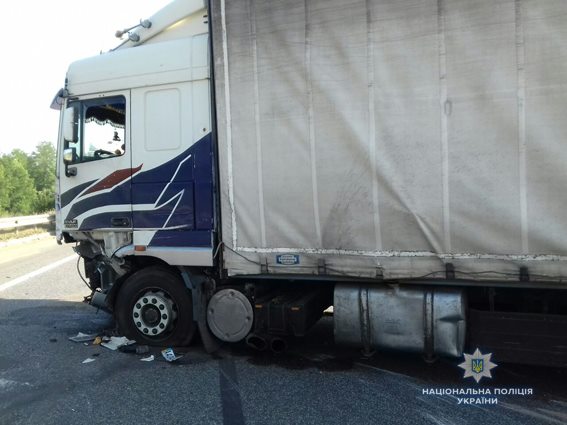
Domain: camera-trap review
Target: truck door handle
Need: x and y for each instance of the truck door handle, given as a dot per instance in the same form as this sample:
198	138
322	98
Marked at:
120	222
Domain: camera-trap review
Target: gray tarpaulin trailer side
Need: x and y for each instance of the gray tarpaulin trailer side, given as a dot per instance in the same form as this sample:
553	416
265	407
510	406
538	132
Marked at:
386	138
416	145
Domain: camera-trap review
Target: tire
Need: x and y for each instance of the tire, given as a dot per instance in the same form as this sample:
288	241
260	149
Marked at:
154	307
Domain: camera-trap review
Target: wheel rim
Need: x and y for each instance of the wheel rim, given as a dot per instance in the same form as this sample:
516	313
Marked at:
154	313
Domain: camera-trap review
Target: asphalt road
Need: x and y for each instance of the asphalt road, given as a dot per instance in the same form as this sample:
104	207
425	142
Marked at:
43	379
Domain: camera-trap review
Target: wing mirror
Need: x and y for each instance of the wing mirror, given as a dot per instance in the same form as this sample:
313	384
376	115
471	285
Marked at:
69	157
70	124
70	136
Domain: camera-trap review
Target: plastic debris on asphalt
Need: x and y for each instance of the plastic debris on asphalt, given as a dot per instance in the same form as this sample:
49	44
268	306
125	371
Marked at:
138	349
81	337
117	342
148	359
97	340
169	355
88	360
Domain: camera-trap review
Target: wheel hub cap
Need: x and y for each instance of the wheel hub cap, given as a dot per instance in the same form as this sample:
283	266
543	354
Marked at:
153	313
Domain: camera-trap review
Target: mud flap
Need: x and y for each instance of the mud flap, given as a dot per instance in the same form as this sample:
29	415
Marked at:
210	342
197	285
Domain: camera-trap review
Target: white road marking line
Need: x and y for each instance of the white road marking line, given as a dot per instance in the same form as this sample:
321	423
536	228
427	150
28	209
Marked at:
7	383
35	273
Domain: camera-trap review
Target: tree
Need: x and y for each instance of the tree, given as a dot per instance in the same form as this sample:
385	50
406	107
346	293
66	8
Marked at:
19	185
42	166
27	182
21	156
4	196
42	171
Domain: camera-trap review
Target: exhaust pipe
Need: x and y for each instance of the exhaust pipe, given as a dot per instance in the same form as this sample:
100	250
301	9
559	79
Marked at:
278	345
257	342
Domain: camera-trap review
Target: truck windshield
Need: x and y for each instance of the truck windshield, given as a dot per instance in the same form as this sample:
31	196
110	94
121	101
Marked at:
101	128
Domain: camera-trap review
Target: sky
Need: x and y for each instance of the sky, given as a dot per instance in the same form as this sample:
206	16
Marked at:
39	41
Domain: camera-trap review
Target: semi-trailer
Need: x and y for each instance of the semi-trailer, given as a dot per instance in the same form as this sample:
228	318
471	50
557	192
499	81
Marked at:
238	167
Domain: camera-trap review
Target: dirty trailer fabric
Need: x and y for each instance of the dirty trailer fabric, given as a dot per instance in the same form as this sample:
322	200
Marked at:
390	137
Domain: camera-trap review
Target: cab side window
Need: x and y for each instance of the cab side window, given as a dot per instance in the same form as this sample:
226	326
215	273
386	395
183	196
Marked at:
101	127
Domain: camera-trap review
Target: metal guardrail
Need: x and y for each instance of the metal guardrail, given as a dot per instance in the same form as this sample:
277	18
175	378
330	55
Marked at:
26	222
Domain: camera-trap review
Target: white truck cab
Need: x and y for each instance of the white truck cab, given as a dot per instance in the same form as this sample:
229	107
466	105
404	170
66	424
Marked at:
136	166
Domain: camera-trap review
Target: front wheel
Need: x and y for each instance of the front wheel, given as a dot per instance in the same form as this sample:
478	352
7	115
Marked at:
154	307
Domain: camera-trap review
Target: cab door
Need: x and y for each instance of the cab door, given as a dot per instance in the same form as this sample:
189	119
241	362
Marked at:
95	168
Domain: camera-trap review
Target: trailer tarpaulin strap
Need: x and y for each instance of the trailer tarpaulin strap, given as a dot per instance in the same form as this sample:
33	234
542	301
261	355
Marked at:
389	137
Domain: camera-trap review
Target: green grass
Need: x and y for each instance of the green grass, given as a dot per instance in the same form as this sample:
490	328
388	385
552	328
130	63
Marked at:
20	234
